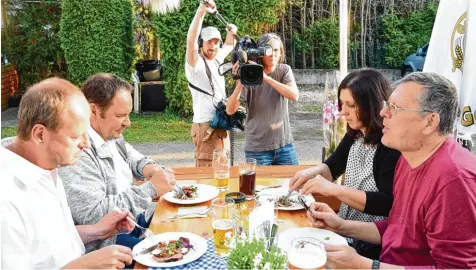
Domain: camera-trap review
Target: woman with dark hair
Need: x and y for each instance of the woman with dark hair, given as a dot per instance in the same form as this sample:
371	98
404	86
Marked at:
367	194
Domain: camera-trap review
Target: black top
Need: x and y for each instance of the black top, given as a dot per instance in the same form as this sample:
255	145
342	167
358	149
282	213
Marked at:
378	203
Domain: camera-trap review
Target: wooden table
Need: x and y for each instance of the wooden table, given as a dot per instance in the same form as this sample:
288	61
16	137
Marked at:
268	176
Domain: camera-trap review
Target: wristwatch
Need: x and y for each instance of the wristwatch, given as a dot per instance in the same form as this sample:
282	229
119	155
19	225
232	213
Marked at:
376	264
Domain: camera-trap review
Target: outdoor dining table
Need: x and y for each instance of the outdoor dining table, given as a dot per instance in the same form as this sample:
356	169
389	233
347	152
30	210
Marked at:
265	176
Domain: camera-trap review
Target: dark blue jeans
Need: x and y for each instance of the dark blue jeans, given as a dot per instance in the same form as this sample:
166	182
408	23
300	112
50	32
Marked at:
132	239
285	155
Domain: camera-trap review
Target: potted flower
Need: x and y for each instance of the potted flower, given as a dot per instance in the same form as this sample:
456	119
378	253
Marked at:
332	121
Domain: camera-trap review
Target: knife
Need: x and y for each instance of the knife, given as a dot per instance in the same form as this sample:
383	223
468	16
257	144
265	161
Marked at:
147	250
277	186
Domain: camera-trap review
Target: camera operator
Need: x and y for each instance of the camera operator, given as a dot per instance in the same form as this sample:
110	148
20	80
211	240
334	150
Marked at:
268	132
201	69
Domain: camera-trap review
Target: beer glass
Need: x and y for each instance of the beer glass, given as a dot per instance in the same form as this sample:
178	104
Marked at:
222	223
221	168
307	253
248	177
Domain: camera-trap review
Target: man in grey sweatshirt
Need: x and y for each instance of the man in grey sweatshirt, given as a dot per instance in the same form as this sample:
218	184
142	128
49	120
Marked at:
102	178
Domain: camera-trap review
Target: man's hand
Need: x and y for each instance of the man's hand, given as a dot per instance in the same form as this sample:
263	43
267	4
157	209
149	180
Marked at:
345	257
112	223
300	178
321	216
111	257
232	28
208	6
151	169
319	185
163	181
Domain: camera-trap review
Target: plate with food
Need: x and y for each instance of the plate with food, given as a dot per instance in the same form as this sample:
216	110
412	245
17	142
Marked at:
171	249
292	203
285	238
193	193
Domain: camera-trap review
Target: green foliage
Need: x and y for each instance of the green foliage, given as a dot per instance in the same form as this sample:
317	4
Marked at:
324	35
252	17
8	132
244	256
97	36
404	34
30	40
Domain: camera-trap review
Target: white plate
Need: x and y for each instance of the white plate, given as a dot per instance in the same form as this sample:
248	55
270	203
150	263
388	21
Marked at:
278	192
205	193
199	245
285	238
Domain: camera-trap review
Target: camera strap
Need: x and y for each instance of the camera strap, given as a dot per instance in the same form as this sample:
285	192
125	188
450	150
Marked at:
209	75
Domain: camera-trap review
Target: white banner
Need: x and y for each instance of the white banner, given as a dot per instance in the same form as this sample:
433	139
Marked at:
467	93
452	45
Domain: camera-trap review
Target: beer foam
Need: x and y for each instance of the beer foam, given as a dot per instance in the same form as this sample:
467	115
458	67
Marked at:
223	224
307	258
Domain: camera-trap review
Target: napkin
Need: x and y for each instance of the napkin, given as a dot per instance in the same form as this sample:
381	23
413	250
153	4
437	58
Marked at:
191	209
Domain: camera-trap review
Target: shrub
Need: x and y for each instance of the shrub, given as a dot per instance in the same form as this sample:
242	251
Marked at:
31	42
404	34
97	36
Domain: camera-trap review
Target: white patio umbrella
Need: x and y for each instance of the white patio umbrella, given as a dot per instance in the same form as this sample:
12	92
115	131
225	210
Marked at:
452	53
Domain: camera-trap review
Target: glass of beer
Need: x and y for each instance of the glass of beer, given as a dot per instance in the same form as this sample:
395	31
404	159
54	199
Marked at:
221	168
307	253
248	177
222	223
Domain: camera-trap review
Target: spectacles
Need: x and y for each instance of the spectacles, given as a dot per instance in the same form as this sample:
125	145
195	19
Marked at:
392	108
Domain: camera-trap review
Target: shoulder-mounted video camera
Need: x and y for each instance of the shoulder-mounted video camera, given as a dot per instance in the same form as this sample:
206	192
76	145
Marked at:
246	50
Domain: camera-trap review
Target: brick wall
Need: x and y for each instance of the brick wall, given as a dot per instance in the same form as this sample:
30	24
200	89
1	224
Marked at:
9	83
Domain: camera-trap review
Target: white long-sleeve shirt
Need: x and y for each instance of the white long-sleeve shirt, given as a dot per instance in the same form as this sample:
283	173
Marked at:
37	230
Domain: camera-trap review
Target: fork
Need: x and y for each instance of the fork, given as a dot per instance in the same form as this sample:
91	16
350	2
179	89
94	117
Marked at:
178	190
287	196
203	212
145	232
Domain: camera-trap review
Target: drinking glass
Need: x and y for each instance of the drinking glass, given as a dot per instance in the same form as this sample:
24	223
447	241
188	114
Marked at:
307	253
222	223
221	168
248	177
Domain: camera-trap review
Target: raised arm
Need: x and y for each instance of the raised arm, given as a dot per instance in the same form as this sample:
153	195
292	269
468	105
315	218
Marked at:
194	31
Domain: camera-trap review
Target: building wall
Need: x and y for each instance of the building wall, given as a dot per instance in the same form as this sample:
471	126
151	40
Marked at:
10	83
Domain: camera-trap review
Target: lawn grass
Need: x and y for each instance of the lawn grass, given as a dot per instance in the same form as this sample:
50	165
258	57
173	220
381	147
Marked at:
8	132
153	128
158	127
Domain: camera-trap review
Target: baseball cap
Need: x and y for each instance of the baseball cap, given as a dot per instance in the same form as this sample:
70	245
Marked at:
210	33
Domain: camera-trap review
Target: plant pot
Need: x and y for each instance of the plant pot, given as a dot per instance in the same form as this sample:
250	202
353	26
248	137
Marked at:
14	101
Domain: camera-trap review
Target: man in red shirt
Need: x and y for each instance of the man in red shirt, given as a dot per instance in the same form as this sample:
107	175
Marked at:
432	223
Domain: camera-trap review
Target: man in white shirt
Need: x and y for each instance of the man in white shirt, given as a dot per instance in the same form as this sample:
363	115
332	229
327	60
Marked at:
206	53
103	176
36	225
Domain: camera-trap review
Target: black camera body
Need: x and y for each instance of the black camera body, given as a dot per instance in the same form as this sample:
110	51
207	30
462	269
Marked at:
247	50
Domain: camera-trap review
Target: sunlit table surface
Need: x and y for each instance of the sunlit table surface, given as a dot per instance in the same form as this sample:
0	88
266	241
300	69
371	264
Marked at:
265	176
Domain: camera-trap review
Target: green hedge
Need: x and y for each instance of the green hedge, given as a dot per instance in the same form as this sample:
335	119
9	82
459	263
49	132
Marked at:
97	36
324	36
404	35
252	17
30	40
